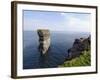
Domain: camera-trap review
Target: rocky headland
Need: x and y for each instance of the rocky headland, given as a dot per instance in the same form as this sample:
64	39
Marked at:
79	53
78	47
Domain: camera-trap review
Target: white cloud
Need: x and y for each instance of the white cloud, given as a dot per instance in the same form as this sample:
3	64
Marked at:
70	23
63	14
31	24
74	23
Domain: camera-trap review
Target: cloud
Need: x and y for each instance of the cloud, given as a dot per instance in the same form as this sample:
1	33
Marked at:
69	22
63	14
76	24
80	23
34	24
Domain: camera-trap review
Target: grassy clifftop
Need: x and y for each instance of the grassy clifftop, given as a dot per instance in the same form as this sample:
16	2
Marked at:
82	60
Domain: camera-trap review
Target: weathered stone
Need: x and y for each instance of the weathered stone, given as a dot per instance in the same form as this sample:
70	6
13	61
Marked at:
79	45
44	40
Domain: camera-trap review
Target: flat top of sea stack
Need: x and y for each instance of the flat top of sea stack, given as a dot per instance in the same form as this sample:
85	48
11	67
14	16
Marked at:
42	32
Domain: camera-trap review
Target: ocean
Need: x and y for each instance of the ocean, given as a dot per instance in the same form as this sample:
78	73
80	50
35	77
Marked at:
60	42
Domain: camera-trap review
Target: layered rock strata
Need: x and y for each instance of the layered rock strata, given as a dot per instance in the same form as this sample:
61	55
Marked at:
44	40
79	45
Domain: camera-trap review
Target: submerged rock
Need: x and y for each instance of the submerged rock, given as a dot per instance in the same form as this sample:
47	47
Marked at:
79	45
44	40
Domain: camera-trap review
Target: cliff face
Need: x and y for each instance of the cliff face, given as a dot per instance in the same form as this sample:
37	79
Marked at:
79	45
44	40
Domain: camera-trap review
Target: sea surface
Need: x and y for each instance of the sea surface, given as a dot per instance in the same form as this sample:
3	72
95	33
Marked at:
60	42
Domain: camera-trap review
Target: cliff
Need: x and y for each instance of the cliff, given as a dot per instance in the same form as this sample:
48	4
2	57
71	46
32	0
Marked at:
79	54
79	45
44	40
82	60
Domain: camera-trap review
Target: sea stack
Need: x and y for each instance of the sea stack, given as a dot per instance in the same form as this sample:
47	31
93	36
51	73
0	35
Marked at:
44	40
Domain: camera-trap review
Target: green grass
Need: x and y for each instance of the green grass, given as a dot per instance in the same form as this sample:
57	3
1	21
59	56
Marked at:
82	60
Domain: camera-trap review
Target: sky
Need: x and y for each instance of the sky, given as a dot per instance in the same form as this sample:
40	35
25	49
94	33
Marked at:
56	21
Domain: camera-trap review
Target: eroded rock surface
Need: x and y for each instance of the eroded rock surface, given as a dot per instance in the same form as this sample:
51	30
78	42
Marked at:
44	40
79	45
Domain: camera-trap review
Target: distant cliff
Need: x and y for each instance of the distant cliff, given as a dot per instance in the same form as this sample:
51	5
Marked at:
79	45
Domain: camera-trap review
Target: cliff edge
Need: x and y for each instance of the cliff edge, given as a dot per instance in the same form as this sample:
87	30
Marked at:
79	45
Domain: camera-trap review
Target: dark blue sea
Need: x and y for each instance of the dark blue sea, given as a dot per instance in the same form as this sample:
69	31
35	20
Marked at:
60	42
